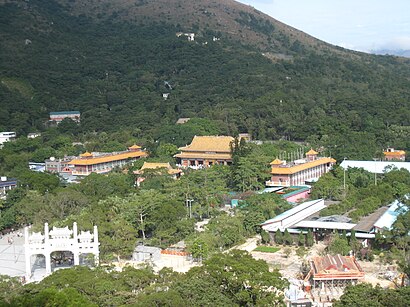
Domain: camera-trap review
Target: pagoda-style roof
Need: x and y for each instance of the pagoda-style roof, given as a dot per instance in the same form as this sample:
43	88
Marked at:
276	162
109	158
286	170
86	155
312	152
221	144
335	267
133	147
157	165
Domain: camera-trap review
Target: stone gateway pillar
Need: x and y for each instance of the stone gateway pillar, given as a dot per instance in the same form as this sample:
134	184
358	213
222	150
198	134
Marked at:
59	240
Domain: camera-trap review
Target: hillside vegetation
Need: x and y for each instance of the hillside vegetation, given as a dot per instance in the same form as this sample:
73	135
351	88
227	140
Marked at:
110	60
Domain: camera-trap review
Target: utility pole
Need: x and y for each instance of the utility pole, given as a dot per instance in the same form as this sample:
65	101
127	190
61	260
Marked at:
375	170
344	176
189	207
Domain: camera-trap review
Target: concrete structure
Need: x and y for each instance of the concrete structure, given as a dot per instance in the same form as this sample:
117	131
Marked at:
182	120
57	117
206	151
7	137
300	171
6	184
59	240
378	167
190	36
394	155
102	163
146	253
166	167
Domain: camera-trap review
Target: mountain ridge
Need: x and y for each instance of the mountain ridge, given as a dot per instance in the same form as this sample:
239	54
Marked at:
67	56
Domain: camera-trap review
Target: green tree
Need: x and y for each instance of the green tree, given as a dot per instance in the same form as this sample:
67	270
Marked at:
301	239
339	246
199	249
310	240
287	238
278	237
245	280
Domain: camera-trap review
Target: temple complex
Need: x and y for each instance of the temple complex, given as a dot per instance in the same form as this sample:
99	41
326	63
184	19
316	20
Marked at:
101	163
206	151
299	172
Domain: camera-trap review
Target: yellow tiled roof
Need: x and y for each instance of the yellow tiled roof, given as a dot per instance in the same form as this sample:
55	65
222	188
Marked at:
209	144
312	152
135	146
276	162
301	167
153	165
394	153
109	158
86	154
202	155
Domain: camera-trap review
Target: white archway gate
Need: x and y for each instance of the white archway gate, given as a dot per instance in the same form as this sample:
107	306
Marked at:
59	240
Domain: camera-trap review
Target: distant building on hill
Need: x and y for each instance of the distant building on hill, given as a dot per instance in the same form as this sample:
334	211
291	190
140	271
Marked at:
33	135
299	172
102	163
182	120
206	151
394	155
57	117
7	137
6	184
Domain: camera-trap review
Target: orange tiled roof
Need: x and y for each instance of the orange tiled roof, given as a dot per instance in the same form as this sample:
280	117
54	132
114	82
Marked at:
336	266
109	158
394	153
312	152
276	162
297	168
209	144
202	155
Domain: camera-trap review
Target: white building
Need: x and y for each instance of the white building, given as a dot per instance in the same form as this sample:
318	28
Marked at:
6	137
378	167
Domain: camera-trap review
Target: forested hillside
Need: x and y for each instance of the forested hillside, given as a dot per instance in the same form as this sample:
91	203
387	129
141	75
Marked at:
110	61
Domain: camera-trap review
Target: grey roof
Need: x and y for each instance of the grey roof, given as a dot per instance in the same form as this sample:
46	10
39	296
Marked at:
334	218
367	223
147	249
64	112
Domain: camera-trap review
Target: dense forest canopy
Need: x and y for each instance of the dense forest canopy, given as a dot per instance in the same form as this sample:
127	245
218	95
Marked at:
115	70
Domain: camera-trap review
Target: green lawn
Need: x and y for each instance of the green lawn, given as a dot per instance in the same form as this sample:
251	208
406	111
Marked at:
266	249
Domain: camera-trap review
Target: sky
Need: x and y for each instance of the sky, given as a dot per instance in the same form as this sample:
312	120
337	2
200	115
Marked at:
363	25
